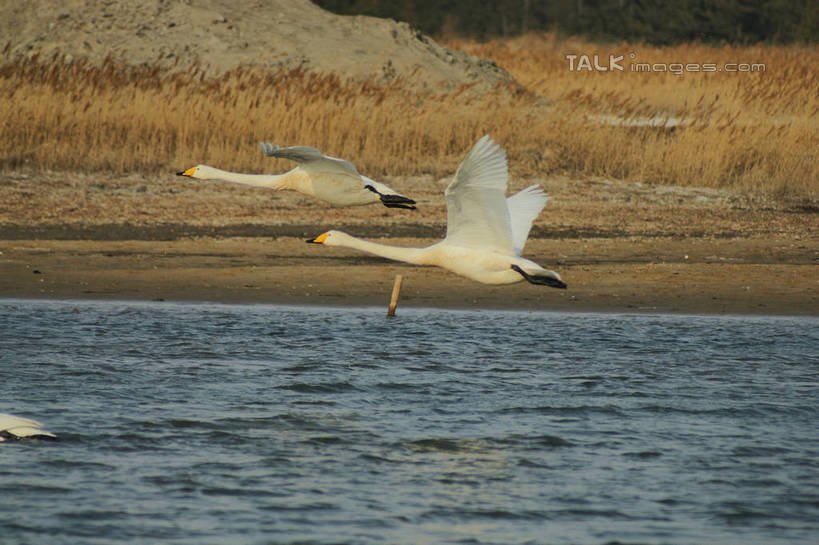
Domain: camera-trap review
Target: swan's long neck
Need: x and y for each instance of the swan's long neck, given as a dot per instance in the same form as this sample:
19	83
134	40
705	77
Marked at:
271	181
416	256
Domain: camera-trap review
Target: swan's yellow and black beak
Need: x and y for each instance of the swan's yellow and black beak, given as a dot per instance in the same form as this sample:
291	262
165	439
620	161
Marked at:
318	240
188	172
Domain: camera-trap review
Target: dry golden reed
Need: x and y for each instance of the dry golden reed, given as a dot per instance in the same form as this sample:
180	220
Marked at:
748	131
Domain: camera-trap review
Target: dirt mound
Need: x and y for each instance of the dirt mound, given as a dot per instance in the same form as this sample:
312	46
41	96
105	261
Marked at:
222	34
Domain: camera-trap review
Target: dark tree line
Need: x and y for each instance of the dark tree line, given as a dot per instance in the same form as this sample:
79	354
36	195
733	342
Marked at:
653	21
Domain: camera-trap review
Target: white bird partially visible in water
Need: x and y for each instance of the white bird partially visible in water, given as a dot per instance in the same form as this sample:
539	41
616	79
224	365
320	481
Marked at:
335	181
13	428
485	231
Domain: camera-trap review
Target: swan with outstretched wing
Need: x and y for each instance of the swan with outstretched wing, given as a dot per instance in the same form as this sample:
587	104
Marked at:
486	231
329	179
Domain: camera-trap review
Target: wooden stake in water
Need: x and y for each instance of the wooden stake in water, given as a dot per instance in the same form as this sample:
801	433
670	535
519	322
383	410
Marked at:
396	290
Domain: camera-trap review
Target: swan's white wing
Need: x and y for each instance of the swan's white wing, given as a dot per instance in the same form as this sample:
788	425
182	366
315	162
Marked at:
310	158
477	216
18	427
524	207
11	421
23	432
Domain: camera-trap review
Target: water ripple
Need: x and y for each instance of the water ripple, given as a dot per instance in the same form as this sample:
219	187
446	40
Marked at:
207	424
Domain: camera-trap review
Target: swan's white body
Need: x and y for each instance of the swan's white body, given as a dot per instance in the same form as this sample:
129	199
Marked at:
329	179
486	231
15	427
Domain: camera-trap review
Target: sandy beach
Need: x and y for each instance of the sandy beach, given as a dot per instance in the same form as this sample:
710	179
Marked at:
620	247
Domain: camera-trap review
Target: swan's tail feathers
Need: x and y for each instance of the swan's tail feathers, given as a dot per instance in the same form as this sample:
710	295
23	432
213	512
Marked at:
397	201
548	278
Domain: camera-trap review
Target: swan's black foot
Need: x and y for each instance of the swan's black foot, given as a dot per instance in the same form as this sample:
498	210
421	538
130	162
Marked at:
540	280
393	201
403	203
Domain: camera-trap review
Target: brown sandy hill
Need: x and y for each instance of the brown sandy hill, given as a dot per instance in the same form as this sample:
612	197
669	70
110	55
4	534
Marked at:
223	34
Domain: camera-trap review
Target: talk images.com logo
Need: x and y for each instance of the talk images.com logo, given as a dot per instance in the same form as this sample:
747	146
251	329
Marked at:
618	63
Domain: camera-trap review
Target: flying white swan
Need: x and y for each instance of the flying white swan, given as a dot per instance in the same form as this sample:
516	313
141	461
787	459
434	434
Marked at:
335	181
485	231
15	427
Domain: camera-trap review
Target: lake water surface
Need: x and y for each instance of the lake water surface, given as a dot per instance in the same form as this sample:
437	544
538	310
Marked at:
202	423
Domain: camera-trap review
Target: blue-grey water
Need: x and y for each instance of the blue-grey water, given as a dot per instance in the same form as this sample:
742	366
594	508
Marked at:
201	423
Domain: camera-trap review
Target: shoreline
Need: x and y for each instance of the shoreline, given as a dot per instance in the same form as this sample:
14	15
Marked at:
620	247
402	306
288	271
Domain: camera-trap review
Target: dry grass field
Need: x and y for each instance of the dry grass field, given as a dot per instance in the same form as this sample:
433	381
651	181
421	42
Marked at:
755	132
90	206
738	117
